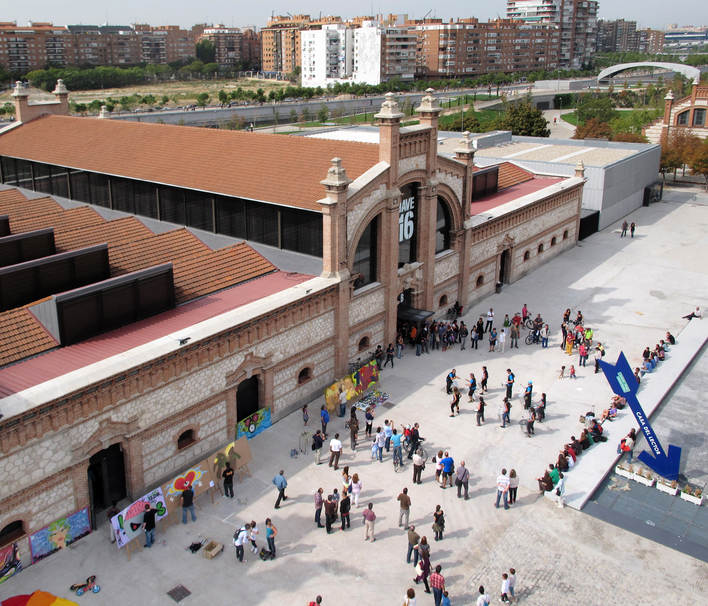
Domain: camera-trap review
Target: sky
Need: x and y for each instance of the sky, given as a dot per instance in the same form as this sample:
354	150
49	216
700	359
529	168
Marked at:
656	14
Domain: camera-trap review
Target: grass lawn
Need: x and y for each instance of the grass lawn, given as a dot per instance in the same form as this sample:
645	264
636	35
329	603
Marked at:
570	119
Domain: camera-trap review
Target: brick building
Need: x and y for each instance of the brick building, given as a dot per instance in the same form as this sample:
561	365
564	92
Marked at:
234	46
23	49
688	114
396	222
620	36
166	43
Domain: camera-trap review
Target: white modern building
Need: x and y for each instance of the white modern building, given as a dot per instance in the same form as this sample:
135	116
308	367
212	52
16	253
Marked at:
369	54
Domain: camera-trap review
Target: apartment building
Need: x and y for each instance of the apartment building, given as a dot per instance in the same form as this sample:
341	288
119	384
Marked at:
620	36
281	40
361	52
166	43
105	44
234	46
23	49
469	48
576	19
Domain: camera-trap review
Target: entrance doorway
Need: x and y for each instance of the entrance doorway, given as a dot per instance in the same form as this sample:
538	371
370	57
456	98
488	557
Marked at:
505	267
247	398
106	478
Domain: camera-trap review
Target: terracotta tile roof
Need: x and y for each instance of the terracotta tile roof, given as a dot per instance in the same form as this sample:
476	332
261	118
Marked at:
217	270
274	168
22	336
510	175
11	195
114	233
175	246
64	220
24	208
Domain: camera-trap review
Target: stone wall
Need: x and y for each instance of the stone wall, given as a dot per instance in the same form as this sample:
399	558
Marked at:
447	265
364	306
374	331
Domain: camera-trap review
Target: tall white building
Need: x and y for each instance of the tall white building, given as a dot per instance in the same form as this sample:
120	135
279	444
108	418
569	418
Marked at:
369	54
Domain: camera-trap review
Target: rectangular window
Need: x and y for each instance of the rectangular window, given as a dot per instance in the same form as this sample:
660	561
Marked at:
42	178
24	174
100	194
262	221
230	217
199	211
301	231
80	189
60	181
122	195
9	173
145	199
172	205
699	117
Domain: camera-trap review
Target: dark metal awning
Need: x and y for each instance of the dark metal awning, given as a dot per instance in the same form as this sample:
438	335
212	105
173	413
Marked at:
411	314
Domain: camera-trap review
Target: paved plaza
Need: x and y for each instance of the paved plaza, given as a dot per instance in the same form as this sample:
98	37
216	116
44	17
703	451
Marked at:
631	291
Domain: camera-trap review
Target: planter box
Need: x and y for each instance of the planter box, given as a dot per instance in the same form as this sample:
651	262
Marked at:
211	549
643	480
623	472
667	489
692	499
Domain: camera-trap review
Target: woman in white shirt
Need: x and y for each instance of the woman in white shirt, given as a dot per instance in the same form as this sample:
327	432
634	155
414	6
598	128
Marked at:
410	599
513	486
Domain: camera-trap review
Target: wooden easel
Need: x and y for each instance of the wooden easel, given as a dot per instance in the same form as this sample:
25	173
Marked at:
241	470
133	545
212	491
168	520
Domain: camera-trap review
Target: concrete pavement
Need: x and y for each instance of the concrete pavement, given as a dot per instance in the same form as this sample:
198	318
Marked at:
631	292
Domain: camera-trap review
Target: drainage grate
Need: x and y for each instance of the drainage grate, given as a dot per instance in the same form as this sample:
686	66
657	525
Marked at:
388	404
179	593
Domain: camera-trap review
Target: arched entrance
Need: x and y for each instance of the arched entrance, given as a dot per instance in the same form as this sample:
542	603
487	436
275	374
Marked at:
247	402
505	266
106	475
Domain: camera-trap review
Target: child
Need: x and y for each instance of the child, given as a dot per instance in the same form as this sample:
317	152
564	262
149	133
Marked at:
512	582
561	372
374	450
445	600
572	373
305	416
505	589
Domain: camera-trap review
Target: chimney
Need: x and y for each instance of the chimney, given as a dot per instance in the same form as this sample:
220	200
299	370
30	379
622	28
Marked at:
334	211
62	96
21	95
429	111
389	128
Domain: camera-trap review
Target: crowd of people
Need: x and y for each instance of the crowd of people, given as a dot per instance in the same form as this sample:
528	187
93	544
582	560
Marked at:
652	357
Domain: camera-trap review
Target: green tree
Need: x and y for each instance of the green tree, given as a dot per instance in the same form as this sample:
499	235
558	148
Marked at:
211	68
203	99
164	100
323	113
206	51
223	97
293	115
524	120
306	114
148	100
601	109
593	129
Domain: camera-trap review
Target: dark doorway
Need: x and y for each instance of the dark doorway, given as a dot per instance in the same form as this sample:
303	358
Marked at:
106	474
247	398
505	266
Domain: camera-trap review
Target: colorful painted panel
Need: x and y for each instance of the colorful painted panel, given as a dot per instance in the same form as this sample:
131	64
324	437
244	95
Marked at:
365	377
128	524
198	477
9	562
253	425
353	385
60	534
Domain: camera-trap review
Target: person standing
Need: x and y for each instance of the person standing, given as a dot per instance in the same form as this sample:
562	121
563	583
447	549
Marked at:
492	339
471	387
485	378
345	506
599	354
583	351
560	490
530	422
415	440
410	599
505	589
632	227
506	412
483	599
187	501
480	410
544	336
509	382
356	488
502	340
335	449
528	394
240	539
369	522
625	225
369	417
329	508
455	404
353	428
319	502
378	356
463	335
449	380
253	536
390	351
512	582
271	533
342	401
413	540
418	464
149	525
388	433
405	509
448	465
488	327
228	475
474	337
400	344
439	523
514	336
380	443
513	486
317	443
437	582
281	484
111	513
396	439
463	480
502	489
324	419
305	416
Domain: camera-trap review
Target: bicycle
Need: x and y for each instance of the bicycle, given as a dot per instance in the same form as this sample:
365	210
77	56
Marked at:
531	339
359	364
397	464
528	322
423	453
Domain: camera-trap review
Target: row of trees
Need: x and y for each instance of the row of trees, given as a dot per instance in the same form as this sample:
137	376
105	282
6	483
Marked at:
681	149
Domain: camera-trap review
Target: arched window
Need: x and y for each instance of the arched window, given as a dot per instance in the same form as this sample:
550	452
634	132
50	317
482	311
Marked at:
364	344
540	248
527	255
12	532
565	234
442	228
682	118
553	241
443	301
186	438
304	376
364	267
480	280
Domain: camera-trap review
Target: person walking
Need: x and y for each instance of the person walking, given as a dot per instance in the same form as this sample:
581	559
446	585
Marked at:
505	589
490	324
462	480
240	539
228	475
271	533
345	506
390	351
485	378
512	582
187	501
439	523
317	443
356	488
625	226
413	540
410	599
632	227
335	449
369	522
418	465
281	484
423	570
448	466
483	599
502	489
319	502
505	412
149	525
405	509
480	410
509	382
437	582
455	404
513	486
324	419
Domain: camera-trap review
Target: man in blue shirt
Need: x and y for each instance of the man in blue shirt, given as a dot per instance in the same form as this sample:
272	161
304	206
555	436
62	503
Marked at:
324	417
397	448
281	484
388	432
448	466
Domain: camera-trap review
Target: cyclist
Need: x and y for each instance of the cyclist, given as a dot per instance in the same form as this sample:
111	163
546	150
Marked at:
537	326
396	439
414	440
